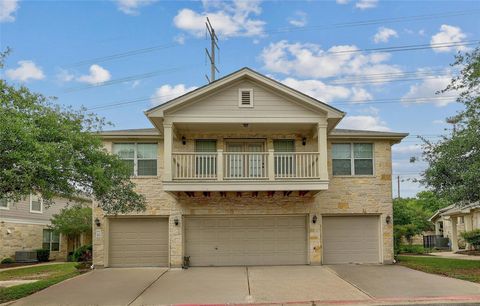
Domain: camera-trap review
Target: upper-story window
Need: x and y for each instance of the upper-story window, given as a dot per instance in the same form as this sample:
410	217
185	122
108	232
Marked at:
36	204
245	97
141	158
352	158
3	203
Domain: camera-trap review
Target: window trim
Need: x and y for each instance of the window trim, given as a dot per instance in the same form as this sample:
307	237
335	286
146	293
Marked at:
240	90
135	157
41	205
352	159
50	241
7	207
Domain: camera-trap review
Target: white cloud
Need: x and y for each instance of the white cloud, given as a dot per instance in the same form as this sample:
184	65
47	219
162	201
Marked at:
27	70
420	92
362	122
342	1
366	4
97	75
168	92
65	76
448	34
228	18
384	35
180	39
311	61
410	149
360	95
131	7
7	10
135	83
299	20
318	89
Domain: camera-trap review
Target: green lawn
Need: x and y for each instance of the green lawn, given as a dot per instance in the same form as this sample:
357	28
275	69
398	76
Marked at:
48	275
458	268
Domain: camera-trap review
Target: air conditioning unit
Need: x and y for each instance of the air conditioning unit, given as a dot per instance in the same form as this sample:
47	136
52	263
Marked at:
26	256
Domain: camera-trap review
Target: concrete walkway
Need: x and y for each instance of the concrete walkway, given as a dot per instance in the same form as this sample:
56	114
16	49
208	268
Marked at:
342	284
454	256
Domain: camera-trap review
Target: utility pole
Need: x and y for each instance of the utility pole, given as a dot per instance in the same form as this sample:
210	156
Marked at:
211	54
398	186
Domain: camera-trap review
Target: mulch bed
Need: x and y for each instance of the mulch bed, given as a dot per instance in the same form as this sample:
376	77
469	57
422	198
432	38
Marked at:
469	252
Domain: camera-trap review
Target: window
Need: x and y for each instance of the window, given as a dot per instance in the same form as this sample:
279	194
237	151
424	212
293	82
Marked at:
245	97
51	240
352	158
36	204
284	149
206	164
141	158
3	203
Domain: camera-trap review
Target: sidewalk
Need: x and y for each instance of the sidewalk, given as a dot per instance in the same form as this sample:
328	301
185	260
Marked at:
35	265
454	256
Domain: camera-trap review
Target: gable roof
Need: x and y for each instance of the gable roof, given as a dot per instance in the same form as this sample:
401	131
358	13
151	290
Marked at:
158	111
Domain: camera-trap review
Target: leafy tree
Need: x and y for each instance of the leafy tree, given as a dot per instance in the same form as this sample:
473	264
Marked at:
72	221
54	151
454	161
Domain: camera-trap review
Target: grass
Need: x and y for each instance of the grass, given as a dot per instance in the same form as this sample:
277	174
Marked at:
458	268
48	275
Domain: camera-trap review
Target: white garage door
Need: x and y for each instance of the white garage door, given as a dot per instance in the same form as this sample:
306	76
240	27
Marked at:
138	242
350	239
246	240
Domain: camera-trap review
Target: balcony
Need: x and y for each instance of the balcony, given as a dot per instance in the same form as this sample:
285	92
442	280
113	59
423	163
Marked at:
246	171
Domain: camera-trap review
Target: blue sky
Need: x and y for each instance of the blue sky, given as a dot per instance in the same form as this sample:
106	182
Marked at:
97	53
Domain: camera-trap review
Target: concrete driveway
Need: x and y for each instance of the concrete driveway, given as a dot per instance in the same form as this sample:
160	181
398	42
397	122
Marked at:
341	284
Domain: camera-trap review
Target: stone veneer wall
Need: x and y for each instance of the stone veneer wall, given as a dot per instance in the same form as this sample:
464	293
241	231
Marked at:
346	195
26	237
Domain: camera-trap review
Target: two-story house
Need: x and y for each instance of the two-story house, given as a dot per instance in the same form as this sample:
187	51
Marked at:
247	171
25	225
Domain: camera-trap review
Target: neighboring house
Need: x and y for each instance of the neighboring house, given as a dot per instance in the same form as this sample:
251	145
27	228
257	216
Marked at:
24	225
247	171
453	220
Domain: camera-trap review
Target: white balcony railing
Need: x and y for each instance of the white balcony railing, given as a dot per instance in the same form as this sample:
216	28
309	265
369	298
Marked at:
245	166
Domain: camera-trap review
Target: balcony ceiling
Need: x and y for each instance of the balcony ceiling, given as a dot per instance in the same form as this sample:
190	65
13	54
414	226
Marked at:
264	128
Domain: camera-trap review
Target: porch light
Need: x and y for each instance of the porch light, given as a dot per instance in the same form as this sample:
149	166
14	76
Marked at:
176	221
97	222
314	219
184	140
245	125
388	219
304	141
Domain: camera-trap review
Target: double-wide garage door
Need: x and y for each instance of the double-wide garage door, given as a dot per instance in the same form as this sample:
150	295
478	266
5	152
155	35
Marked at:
138	242
246	240
350	239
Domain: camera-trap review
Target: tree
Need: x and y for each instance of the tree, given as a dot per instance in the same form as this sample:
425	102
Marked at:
72	221
55	151
453	169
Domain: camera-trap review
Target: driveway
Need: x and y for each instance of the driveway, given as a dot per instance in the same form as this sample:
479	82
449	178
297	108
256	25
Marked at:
340	284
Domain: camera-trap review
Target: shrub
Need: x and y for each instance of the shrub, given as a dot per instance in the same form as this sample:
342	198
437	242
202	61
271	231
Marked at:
7	260
43	255
83	253
412	249
472	237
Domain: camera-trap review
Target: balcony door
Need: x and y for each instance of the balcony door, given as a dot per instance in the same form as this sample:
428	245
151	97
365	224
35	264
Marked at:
245	159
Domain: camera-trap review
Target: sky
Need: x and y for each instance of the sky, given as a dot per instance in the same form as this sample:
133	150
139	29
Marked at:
380	61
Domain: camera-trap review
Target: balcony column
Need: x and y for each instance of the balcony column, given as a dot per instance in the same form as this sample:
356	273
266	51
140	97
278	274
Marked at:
454	238
220	165
322	150
167	151
271	165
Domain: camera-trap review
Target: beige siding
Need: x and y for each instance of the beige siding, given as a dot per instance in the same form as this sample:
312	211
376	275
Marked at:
224	103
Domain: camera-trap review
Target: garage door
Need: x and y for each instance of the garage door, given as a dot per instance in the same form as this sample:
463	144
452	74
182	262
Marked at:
139	242
252	240
352	239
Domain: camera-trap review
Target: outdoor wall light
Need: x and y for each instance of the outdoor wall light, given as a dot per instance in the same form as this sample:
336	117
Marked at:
388	219
176	221
314	219
245	125
304	141
97	222
184	140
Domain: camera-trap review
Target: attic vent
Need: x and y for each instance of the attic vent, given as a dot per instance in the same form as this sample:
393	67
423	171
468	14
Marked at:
245	97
